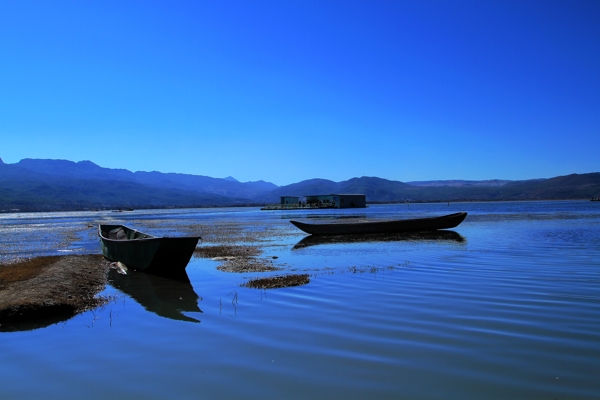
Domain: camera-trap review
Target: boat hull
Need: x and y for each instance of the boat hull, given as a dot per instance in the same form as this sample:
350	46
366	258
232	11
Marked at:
404	225
162	256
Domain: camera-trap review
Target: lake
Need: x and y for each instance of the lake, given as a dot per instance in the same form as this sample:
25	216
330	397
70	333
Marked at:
507	305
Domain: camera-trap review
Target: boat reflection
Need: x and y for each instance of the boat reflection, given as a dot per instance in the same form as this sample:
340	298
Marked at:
163	296
433	236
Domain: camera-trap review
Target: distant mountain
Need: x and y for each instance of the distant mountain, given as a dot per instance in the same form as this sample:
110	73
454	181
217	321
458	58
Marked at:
575	186
265	186
196	183
60	184
29	191
32	185
376	189
460	183
560	187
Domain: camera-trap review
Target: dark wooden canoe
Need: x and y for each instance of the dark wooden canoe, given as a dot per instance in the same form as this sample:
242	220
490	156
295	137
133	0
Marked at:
159	255
402	225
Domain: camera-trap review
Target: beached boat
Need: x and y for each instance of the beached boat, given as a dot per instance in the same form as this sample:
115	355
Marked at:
403	225
137	250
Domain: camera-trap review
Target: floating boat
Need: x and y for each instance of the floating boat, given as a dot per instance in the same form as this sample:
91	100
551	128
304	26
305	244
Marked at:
403	225
159	255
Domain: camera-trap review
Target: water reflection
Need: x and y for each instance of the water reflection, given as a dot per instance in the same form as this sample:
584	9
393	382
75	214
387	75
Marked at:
36	323
163	296
434	236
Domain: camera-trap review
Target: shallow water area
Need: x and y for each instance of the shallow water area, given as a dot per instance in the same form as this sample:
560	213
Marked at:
506	305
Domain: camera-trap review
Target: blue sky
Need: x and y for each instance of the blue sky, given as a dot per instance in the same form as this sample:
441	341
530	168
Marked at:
285	91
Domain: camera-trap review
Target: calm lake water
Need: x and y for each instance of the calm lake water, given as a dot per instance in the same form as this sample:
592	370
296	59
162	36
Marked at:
506	307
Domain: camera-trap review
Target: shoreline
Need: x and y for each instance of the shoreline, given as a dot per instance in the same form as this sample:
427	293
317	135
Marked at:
49	289
263	205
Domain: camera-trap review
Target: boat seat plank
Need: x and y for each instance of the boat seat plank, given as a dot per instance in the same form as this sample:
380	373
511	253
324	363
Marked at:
117	234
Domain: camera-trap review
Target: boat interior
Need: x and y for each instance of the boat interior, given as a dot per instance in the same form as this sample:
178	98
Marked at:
122	233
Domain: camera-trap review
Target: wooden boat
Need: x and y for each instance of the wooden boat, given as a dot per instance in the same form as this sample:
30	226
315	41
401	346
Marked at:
159	255
402	225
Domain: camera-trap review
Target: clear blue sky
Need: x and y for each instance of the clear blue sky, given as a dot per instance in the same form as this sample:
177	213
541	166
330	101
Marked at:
290	90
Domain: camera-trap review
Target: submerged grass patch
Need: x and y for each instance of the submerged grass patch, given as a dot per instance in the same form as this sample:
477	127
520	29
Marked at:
226	251
276	282
247	264
236	258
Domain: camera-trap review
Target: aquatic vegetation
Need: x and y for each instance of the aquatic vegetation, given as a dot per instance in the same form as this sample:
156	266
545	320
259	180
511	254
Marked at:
280	281
247	264
226	251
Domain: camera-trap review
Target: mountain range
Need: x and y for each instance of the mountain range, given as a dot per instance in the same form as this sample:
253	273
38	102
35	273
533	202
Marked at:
36	185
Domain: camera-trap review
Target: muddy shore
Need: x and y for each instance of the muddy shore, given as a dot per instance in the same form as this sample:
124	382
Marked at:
50	286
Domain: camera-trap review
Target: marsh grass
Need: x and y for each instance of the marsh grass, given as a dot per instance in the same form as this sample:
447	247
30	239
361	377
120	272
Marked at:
276	282
227	251
248	264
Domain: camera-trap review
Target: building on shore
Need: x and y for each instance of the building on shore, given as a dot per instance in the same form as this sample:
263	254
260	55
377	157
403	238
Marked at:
337	200
320	201
290	202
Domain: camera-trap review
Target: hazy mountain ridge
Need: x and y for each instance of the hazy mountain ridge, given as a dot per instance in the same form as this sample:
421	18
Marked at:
461	183
198	183
60	184
376	189
58	194
574	186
